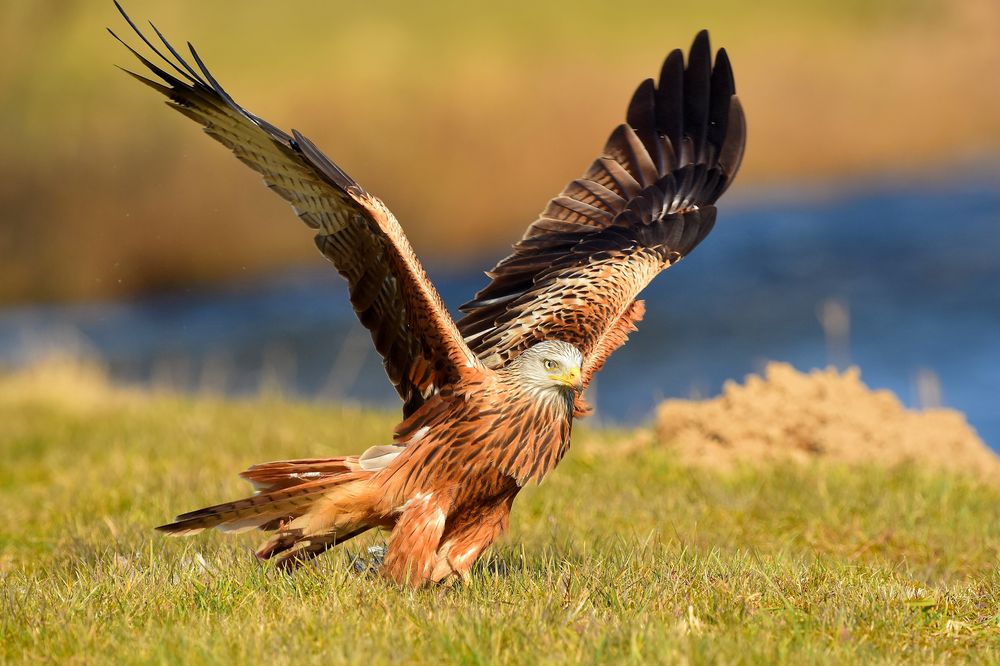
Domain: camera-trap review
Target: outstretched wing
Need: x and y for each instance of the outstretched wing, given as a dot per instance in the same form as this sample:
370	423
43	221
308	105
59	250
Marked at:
389	290
641	207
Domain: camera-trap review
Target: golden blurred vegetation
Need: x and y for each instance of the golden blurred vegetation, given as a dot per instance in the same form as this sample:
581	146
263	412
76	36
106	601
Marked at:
464	117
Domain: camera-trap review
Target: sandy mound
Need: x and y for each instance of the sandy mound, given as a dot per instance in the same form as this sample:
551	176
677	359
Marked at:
790	415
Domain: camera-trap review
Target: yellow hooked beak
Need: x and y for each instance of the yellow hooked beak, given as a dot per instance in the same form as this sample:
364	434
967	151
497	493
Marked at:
570	378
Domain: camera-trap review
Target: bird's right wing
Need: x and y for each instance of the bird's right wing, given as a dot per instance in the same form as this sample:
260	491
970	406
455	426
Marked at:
641	207
389	289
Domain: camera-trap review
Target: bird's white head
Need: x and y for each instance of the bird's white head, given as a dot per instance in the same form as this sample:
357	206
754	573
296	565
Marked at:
550	366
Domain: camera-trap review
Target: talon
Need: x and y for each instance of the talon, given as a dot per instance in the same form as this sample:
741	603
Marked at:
373	562
376	556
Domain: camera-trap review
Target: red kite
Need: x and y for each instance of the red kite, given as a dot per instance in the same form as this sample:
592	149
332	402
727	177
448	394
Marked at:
488	403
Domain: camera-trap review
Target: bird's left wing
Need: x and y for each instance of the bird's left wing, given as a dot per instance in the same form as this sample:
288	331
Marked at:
640	208
390	292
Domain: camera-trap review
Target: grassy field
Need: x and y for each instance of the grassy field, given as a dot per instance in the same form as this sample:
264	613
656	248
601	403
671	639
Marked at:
621	555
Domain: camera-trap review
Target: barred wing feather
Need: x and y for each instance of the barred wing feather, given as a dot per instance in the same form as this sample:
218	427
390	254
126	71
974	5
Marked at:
389	290
643	205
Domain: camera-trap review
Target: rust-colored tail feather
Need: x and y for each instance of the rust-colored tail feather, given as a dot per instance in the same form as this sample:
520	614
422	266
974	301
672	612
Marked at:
312	504
249	512
280	474
309	518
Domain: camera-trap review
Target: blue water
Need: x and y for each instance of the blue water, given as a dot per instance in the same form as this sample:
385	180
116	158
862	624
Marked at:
916	265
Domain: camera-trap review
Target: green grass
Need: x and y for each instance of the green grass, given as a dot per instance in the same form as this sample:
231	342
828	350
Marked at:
621	555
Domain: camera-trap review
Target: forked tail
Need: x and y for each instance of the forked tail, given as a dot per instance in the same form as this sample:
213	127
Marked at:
312	505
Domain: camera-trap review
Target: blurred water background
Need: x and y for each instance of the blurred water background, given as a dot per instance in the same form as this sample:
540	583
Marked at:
864	228
901	279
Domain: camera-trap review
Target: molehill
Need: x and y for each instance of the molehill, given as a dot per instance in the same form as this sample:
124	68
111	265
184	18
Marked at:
824	414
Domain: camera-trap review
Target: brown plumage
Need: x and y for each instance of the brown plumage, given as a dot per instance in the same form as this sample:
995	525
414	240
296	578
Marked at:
641	207
488	402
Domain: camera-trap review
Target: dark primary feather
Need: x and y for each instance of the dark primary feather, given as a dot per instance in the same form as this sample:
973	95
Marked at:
389	290
644	204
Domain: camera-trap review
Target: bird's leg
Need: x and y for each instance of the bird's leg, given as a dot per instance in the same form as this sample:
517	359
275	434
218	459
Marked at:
463	544
412	553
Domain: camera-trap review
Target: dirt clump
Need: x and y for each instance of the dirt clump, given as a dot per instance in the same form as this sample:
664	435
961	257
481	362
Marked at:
791	415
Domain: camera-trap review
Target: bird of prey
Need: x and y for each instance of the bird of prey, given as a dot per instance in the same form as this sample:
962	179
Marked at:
489	401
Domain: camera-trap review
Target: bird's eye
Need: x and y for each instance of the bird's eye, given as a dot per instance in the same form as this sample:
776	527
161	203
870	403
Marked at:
549	364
